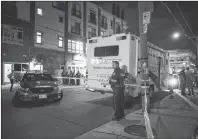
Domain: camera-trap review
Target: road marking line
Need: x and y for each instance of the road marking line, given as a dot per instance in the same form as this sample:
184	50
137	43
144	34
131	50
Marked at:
194	106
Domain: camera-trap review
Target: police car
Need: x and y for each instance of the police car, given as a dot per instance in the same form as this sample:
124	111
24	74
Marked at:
37	87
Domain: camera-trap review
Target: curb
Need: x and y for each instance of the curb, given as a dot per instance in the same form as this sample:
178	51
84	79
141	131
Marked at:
136	112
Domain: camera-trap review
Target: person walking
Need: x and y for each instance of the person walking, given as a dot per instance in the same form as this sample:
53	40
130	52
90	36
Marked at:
190	81
11	77
182	77
117	84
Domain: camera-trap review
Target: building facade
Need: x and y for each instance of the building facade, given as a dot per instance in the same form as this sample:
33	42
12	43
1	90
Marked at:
53	32
17	39
179	59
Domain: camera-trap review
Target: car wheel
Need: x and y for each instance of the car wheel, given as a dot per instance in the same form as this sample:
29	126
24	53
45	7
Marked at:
60	97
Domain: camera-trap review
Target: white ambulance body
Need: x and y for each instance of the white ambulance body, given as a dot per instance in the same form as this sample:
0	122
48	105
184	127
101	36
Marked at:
101	51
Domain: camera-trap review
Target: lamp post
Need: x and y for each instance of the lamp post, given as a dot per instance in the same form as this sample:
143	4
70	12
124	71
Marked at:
159	71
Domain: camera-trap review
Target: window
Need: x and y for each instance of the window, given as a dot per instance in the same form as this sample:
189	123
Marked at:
102	33
60	41
38	37
92	17
104	22
75	46
40	11
92	33
69	45
17	67
118	29
81	48
106	51
25	67
60	18
75	28
12	35
111	24
76	10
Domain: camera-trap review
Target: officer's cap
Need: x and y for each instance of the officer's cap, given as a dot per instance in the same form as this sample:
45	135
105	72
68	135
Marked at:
116	62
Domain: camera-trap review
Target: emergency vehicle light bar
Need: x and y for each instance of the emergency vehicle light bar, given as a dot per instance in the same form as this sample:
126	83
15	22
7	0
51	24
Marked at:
93	41
121	38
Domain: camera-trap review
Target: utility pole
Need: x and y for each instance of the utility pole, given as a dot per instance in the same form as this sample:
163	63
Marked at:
159	72
144	8
66	35
197	64
197	52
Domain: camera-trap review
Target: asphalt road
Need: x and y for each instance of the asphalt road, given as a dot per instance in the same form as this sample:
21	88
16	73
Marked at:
78	112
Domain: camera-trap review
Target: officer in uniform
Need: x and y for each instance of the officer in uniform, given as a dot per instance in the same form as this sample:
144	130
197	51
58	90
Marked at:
117	84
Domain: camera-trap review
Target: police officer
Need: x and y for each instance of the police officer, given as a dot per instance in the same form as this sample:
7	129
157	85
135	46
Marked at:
117	84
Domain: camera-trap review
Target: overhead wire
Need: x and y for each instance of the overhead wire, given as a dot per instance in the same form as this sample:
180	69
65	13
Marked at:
177	22
185	19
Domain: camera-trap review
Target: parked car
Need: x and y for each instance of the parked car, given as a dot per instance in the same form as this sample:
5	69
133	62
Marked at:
37	87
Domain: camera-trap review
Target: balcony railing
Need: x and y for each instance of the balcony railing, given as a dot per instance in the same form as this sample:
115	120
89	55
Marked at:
76	12
76	31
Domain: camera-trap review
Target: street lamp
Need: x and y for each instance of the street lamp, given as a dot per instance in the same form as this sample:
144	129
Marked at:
176	35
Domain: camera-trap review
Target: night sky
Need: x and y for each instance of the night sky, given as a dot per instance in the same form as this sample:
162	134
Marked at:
162	23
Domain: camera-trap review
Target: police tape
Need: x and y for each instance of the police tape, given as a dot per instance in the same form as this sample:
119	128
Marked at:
146	118
84	78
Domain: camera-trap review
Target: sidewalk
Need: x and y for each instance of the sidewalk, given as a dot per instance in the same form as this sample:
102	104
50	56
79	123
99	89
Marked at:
171	118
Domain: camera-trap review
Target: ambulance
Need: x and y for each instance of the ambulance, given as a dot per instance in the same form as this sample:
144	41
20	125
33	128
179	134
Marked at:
125	48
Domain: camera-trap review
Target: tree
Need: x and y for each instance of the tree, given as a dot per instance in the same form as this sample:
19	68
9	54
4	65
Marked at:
122	14
113	9
118	11
49	62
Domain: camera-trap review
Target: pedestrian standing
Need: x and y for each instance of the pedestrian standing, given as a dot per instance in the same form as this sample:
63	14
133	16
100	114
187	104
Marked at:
70	77
67	78
117	84
182	77
78	76
189	81
129	79
11	77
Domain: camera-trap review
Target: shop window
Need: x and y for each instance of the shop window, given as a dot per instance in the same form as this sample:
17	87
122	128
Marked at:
17	67
25	67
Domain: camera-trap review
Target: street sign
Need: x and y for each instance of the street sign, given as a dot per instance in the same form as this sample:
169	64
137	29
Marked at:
146	17
144	28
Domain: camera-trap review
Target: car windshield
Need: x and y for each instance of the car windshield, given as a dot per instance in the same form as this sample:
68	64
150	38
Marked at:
38	77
